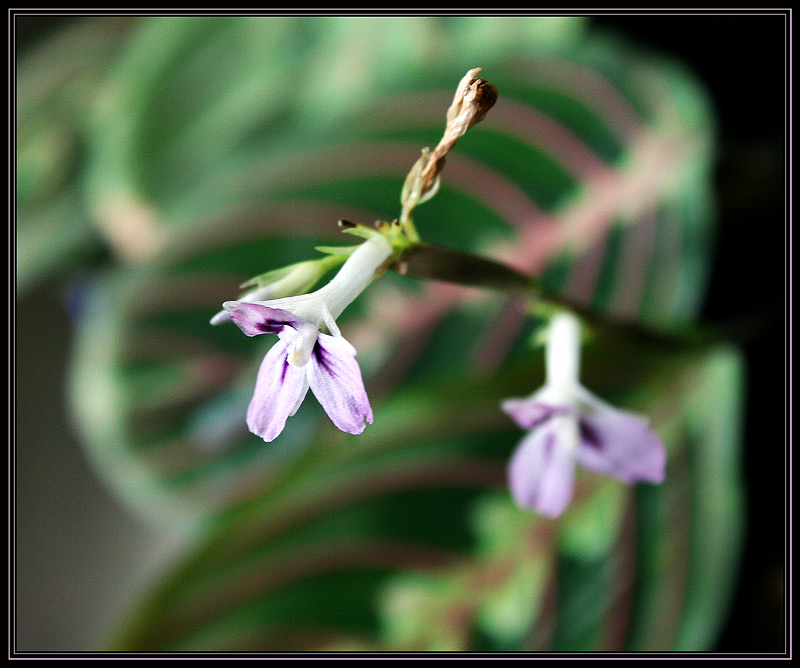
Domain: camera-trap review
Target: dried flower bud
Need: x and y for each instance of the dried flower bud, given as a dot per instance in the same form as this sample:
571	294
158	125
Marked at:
473	99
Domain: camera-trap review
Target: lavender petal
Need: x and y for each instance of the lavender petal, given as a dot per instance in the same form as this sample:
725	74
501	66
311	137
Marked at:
255	319
335	379
530	412
620	444
280	388
541	473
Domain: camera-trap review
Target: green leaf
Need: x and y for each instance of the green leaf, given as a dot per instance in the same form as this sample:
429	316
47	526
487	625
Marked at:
56	83
440	549
220	149
589	139
690	532
716	529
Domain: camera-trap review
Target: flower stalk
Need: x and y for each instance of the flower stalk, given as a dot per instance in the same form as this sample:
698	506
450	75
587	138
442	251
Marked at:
472	100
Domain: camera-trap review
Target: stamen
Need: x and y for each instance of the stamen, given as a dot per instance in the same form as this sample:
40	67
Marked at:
302	345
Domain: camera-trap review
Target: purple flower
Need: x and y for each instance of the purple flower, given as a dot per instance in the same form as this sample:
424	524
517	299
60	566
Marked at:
331	371
304	356
568	424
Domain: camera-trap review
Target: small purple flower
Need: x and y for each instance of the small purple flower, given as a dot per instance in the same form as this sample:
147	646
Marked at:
331	372
567	424
304	356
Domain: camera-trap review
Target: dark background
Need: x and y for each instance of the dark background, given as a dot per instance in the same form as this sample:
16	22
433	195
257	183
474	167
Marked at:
742	59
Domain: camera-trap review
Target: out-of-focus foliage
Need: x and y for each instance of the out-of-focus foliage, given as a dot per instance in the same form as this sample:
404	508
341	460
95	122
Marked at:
202	151
414	544
57	86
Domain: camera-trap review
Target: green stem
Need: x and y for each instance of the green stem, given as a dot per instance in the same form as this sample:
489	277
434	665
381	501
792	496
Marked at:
407	224
430	262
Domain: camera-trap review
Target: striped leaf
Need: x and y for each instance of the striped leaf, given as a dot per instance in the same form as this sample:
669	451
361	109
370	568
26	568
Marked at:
592	170
391	544
223	148
57	83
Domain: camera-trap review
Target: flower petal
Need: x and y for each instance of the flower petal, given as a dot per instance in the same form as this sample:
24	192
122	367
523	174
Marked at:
335	379
621	444
530	412
255	319
541	473
280	388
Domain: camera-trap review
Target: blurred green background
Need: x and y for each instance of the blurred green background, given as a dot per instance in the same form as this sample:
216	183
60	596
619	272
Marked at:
161	161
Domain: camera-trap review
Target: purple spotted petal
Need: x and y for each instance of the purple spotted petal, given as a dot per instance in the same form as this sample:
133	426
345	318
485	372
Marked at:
280	388
335	379
255	319
621	444
541	473
530	412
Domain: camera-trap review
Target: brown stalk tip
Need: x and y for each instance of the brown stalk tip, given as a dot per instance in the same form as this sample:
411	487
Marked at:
485	97
474	97
345	224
